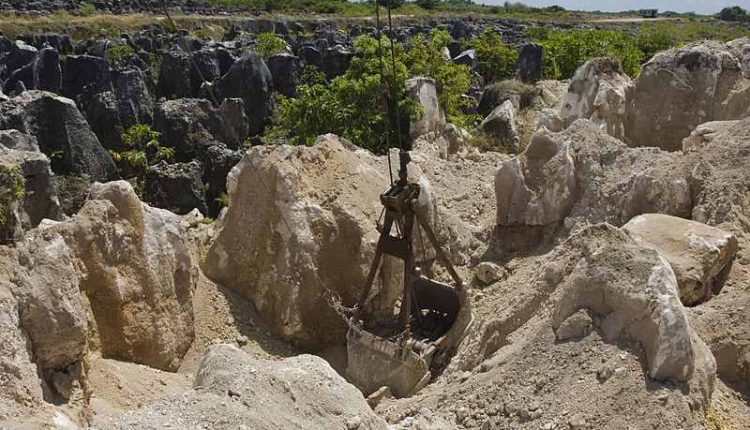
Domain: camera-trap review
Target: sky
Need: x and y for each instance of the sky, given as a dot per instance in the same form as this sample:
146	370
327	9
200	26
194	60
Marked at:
705	7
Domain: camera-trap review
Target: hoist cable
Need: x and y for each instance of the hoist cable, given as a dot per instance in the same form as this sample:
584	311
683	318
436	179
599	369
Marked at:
382	80
393	78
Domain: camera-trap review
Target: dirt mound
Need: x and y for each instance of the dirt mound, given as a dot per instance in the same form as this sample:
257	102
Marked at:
514	371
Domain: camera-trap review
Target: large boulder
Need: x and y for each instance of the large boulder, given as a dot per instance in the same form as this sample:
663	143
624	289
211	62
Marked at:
177	187
598	91
231	387
680	89
285	69
218	161
584	175
20	383
191	125
174	75
46	71
336	61
531	63
250	80
432	118
300	228
51	310
40	200
61	132
700	255
634	293
84	76
138	276
134	102
500	125
102	114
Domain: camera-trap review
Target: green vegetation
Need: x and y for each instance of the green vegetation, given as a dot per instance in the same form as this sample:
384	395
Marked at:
143	150
86	9
496	60
734	13
425	58
119	54
269	44
567	50
12	189
354	105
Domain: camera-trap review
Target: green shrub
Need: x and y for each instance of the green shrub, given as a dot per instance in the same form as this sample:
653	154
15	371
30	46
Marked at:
496	60
86	9
142	150
453	81
355	105
12	189
352	105
567	50
118	54
269	44
734	13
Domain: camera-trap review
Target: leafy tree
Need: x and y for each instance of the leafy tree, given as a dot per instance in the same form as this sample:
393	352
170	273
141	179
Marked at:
733	13
356	104
269	44
12	189
352	105
427	4
496	60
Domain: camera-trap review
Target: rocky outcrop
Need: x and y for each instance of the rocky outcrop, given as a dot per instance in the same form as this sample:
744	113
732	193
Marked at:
138	276
701	256
191	125
250	80
231	388
680	89
583	174
61	132
40	200
599	91
423	91
296	215
177	187
285	69
500	125
531	63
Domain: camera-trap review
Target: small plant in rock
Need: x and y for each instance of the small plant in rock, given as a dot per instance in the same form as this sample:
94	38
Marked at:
142	150
12	189
119	54
269	44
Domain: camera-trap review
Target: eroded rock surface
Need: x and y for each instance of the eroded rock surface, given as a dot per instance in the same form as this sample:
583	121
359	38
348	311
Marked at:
700	255
680	89
232	388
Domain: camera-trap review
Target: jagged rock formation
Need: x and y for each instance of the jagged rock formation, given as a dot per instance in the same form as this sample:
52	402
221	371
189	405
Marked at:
680	89
298	214
599	91
700	255
61	132
513	370
432	118
232	388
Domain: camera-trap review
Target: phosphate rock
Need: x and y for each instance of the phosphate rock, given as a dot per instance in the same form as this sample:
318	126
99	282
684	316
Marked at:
680	89
700	255
231	388
598	91
312	209
138	276
61	132
177	187
432	118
